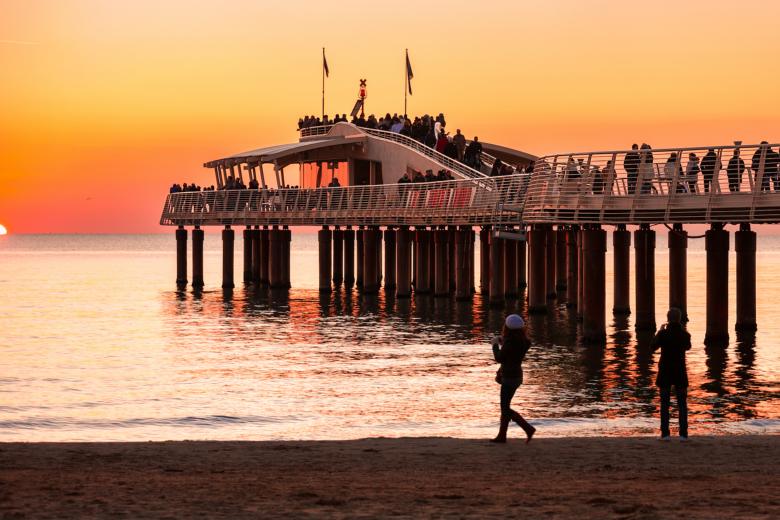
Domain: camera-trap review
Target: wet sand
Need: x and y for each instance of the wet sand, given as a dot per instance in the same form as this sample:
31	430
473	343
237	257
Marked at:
709	477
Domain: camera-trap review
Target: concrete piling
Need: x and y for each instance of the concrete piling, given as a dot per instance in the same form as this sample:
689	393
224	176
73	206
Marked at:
572	267
678	270
442	268
496	270
256	237
370	273
561	273
360	237
484	261
338	257
422	262
248	237
745	245
181	256
197	258
403	287
510	269
594	248
537	266
324	236
716	241
462	250
265	254
391	267
228	238
349	257
621	258
644	251
550	270
522	269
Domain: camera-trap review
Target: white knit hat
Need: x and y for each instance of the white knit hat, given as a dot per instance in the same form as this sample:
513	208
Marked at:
513	321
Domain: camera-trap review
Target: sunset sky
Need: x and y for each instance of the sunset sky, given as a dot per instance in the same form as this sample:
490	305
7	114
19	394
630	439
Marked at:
104	104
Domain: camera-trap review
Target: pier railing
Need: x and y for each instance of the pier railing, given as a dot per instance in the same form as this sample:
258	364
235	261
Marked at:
659	185
447	162
496	201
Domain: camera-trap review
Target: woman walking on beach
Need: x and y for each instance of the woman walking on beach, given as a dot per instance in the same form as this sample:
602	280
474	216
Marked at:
674	341
509	349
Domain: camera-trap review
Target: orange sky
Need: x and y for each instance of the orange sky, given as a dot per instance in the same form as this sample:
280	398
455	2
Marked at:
104	104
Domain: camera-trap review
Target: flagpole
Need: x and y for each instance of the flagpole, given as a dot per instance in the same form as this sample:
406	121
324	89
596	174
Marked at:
323	82
406	80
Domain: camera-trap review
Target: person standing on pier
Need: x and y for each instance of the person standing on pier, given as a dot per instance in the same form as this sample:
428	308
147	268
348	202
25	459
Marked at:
734	171
631	165
709	167
674	341
510	349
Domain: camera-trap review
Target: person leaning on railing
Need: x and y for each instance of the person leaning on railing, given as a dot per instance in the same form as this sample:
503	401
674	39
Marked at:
631	165
692	170
771	164
734	171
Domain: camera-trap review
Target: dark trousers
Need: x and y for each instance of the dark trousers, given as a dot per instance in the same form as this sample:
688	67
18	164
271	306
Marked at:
508	388
682	406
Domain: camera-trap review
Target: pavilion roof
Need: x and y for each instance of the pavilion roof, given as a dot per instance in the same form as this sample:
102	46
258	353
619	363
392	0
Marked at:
280	151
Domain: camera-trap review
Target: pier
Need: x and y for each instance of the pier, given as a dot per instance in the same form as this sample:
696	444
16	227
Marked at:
543	227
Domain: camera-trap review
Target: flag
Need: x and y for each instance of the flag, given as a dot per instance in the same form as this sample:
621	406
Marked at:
325	64
409	73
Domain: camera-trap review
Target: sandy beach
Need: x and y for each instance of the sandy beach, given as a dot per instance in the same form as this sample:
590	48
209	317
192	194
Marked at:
709	477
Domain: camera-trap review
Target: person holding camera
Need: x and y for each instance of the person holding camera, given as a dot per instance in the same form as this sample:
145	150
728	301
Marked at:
510	349
674	341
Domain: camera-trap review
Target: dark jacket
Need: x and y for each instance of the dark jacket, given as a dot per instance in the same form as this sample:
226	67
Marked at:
708	164
511	354
631	163
736	166
674	341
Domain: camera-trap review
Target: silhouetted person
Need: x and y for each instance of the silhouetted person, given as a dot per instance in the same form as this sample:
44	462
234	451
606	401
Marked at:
672	169
473	154
510	349
646	173
709	167
692	170
405	179
460	143
496	170
734	171
631	165
674	341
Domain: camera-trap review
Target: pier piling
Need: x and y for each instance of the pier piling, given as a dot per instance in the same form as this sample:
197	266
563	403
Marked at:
522	269
462	281
181	256
263	237
228	238
370	264
286	242
572	267
248	237
560	263
594	329
442	269
391	267
484	261
403	287
644	251
197	258
745	245
537	266
275	270
338	257
510	268
422	280
324	242
621	258
349	258
678	270
496	270
716	241
360	236
550	270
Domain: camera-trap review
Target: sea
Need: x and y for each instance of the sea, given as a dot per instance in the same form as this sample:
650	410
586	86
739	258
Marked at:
97	344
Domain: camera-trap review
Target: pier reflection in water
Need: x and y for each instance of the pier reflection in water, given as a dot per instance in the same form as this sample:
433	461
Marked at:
357	363
112	352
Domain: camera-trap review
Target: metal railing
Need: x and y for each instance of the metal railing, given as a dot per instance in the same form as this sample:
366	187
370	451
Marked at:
460	202
445	161
685	185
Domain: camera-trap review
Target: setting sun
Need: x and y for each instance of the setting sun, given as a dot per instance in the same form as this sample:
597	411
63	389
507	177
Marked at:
3	230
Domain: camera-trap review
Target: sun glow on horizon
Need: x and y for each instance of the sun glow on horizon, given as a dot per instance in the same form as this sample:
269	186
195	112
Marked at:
3	230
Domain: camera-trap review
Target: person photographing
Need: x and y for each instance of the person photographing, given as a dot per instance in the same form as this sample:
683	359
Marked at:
674	341
510	349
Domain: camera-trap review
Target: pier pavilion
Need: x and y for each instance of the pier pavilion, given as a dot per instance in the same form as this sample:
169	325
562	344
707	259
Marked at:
561	203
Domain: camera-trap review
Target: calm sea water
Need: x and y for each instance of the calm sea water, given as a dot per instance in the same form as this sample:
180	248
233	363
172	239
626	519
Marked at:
97	344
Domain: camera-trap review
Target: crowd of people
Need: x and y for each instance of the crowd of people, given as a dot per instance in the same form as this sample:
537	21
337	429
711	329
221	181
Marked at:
642	171
178	188
428	130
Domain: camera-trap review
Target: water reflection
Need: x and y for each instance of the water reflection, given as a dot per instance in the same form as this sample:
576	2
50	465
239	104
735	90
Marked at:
355	335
